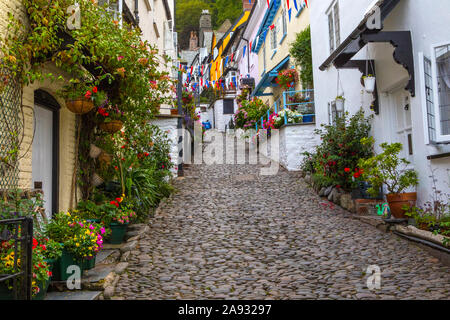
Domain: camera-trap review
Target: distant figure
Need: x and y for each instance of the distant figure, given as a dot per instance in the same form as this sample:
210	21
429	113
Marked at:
207	125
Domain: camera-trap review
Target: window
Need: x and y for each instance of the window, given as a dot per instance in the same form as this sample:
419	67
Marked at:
114	7
334	26
283	23
228	106
264	58
333	114
429	100
441	70
273	37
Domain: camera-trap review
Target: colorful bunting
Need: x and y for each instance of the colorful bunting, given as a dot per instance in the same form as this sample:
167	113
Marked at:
290	14
268	4
295	4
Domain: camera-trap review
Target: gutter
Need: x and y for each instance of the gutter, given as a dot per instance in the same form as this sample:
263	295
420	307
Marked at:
425	242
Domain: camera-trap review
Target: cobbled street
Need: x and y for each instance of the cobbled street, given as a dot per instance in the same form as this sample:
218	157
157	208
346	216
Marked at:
229	233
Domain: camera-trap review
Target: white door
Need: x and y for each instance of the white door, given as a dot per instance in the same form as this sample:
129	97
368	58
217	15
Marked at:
42	155
403	123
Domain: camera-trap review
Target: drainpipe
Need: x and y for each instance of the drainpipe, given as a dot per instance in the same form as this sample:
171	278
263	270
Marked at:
136	11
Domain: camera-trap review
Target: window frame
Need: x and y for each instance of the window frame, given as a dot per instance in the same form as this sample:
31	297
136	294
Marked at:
334	26
440	138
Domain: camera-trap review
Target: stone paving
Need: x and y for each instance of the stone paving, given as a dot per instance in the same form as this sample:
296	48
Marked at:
229	233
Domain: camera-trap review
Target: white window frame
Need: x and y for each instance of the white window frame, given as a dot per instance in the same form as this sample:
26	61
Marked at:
426	121
273	37
439	136
334	35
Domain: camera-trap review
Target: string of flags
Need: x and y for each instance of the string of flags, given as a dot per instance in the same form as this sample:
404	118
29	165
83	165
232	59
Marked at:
205	68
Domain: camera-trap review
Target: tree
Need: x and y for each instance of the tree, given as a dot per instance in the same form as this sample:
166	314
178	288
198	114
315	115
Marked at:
188	14
226	9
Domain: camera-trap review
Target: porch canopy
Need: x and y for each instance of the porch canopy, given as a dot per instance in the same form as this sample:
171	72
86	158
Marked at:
268	77
362	35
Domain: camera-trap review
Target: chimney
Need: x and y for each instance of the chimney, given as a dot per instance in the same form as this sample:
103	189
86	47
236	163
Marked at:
193	41
205	21
248	4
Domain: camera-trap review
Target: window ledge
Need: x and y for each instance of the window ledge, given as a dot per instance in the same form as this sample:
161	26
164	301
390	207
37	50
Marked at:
282	39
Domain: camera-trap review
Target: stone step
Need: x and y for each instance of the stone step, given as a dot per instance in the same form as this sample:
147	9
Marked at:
73	295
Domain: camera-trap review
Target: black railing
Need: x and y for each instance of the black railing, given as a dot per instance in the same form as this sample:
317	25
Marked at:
20	232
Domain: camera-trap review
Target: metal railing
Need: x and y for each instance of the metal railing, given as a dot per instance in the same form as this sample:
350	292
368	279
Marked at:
20	232
301	101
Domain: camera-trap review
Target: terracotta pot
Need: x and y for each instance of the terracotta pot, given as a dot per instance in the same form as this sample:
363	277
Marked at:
397	201
111	127
80	106
173	111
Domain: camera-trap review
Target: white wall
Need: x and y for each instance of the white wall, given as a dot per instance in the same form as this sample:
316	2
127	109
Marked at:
428	25
220	119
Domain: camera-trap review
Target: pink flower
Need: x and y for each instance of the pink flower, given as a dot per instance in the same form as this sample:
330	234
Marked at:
91	227
102	230
119	58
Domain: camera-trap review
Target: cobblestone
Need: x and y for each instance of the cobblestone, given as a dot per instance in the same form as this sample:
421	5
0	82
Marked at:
223	236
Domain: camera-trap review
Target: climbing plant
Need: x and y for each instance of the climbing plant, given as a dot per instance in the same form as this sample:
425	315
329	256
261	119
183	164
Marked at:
301	51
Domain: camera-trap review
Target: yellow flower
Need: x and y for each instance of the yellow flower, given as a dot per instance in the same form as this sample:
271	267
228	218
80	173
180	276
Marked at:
68	213
77	244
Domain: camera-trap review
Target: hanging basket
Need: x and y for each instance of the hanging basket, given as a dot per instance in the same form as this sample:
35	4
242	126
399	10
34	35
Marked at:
105	158
95	151
80	106
339	105
111	127
96	180
369	84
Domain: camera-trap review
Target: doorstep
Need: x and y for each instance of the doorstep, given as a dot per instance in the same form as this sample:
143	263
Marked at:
73	295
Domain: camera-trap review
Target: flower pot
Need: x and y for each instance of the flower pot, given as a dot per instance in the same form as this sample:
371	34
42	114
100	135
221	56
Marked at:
173	112
66	260
5	293
80	106
95	151
339	105
369	84
96	180
43	287
118	233
308	118
89	264
397	201
112	126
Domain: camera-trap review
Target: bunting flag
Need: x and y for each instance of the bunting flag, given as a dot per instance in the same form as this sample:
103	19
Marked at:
243	55
272	26
268	4
202	70
192	69
306	2
234	81
250	47
232	55
287	2
290	14
295	4
201	82
226	61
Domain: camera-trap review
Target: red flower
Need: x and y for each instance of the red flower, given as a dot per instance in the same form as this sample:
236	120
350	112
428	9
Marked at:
347	169
88	94
146	154
116	167
94	89
114	203
35	243
118	200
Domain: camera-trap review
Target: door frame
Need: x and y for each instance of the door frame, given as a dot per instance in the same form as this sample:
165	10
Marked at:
45	100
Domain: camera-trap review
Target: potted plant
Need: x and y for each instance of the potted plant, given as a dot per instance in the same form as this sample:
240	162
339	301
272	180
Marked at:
385	168
340	103
80	98
110	118
118	216
369	83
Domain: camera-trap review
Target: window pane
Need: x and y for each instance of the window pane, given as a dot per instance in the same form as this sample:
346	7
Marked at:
443	78
429	98
331	31
336	24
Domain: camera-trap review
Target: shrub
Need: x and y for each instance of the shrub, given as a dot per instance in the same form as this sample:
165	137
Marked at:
335	160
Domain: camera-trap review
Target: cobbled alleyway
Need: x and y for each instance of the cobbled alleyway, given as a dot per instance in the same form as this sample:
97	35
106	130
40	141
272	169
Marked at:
229	233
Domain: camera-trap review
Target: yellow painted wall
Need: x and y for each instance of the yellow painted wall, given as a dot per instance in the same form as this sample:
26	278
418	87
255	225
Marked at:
67	121
296	25
216	73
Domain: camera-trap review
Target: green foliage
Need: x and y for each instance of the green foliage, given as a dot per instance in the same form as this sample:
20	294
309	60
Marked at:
249	113
388	168
188	14
335	160
301	51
